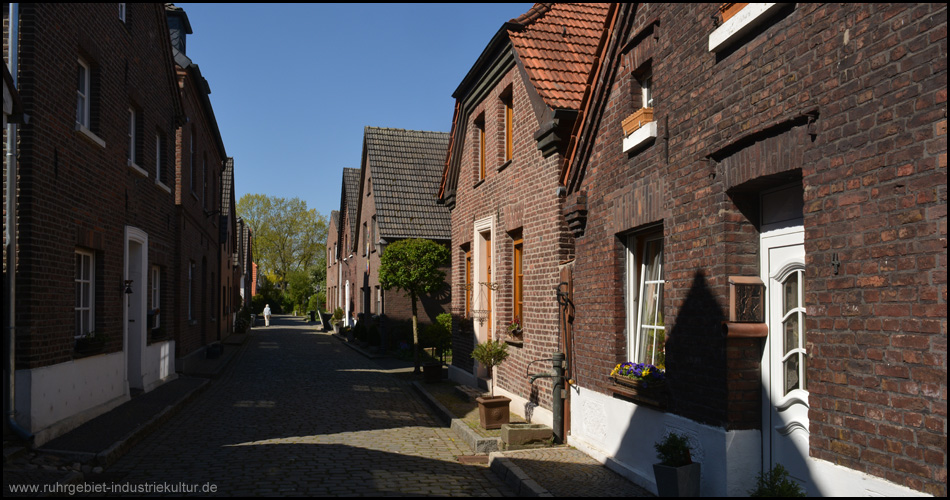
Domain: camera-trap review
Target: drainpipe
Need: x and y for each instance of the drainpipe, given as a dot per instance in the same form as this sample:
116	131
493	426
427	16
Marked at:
9	364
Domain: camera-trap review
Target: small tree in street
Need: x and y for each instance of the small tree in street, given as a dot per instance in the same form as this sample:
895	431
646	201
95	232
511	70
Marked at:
413	266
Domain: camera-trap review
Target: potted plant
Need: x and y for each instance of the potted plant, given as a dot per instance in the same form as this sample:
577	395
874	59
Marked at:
676	474
775	483
492	411
514	328
337	318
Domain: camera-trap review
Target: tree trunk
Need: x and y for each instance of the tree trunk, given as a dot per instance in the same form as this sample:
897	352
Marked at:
415	335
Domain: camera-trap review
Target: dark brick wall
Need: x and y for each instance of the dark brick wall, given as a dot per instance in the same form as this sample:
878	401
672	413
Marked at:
74	193
850	101
198	233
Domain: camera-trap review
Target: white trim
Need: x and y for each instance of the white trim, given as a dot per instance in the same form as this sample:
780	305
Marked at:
639	137
89	134
163	187
738	25
83	120
138	170
480	272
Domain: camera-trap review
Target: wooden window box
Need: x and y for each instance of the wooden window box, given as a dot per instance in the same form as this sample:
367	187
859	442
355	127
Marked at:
633	122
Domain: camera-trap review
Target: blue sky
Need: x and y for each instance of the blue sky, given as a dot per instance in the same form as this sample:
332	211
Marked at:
293	85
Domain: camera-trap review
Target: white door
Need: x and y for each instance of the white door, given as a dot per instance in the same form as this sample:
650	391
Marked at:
785	391
136	264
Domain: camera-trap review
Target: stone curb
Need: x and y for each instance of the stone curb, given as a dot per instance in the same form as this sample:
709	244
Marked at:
356	347
514	477
477	443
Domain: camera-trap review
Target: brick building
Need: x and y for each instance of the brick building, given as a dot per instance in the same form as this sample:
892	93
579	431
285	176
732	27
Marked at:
340	235
400	171
331	260
199	163
793	155
245	260
95	238
514	113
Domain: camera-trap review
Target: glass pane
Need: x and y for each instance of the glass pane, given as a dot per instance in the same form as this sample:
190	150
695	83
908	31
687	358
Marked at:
78	266
791	373
78	302
86	324
790	288
86	268
78	323
791	333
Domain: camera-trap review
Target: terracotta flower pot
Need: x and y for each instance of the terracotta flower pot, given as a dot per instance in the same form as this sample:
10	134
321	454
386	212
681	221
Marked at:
633	122
493	411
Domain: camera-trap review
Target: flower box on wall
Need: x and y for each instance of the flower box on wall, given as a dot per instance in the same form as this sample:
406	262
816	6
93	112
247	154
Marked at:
727	10
633	122
653	395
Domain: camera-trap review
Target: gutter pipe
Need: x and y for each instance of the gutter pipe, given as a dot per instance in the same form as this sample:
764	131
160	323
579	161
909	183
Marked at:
9	292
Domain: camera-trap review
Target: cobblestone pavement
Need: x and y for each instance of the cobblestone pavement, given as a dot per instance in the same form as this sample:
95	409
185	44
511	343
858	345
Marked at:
564	471
300	414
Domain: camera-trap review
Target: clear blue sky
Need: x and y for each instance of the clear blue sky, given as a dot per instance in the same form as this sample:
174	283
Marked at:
293	85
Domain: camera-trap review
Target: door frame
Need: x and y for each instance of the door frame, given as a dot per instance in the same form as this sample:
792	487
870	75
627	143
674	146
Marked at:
135	305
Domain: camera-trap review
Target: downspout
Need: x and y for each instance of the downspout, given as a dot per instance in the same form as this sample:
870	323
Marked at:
9	292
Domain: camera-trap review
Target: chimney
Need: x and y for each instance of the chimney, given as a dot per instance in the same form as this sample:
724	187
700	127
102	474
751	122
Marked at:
178	26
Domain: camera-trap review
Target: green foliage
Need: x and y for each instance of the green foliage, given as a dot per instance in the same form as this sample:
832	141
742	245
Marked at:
673	450
288	236
338	315
413	266
491	354
775	483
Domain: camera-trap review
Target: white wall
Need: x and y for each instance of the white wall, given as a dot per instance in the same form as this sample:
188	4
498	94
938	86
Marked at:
53	400
621	435
159	364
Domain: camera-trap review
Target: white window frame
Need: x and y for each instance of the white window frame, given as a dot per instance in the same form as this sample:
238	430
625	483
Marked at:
85	292
646	86
637	267
82	95
156	296
122	12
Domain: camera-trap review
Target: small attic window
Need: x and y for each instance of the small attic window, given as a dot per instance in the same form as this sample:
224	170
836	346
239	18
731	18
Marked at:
640	127
738	19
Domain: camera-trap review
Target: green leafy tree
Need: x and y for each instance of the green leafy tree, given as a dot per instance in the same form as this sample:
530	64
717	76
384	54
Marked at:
413	266
288	237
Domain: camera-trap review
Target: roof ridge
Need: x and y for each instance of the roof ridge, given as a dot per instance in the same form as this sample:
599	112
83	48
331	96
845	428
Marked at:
369	127
536	11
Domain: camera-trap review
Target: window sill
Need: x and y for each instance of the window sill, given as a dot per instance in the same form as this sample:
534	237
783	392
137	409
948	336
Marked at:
479	183
737	26
503	166
137	169
163	187
640	137
88	134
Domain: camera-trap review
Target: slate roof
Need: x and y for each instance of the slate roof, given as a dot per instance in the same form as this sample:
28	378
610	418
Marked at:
405	170
351	198
557	44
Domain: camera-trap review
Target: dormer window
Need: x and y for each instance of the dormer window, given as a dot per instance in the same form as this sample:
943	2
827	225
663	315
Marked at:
640	127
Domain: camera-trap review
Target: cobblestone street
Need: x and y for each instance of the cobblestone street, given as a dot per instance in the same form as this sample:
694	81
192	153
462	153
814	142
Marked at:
299	413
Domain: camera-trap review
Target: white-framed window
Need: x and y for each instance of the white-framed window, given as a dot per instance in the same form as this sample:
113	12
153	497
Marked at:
85	280
122	12
646	88
645	286
83	86
132	125
155	296
192	163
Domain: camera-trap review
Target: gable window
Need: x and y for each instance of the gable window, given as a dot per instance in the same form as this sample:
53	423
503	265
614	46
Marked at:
645	283
135	144
480	131
160	167
640	127
506	100
85	289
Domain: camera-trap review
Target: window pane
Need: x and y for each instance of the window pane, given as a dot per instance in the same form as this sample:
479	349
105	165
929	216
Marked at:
791	292
791	333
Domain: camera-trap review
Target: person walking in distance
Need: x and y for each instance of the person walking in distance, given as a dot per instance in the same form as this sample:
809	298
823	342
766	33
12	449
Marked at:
266	314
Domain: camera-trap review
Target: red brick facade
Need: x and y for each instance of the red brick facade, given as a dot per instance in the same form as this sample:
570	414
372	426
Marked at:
849	103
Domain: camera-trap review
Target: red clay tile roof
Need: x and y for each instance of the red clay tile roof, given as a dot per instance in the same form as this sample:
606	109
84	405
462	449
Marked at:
557	44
